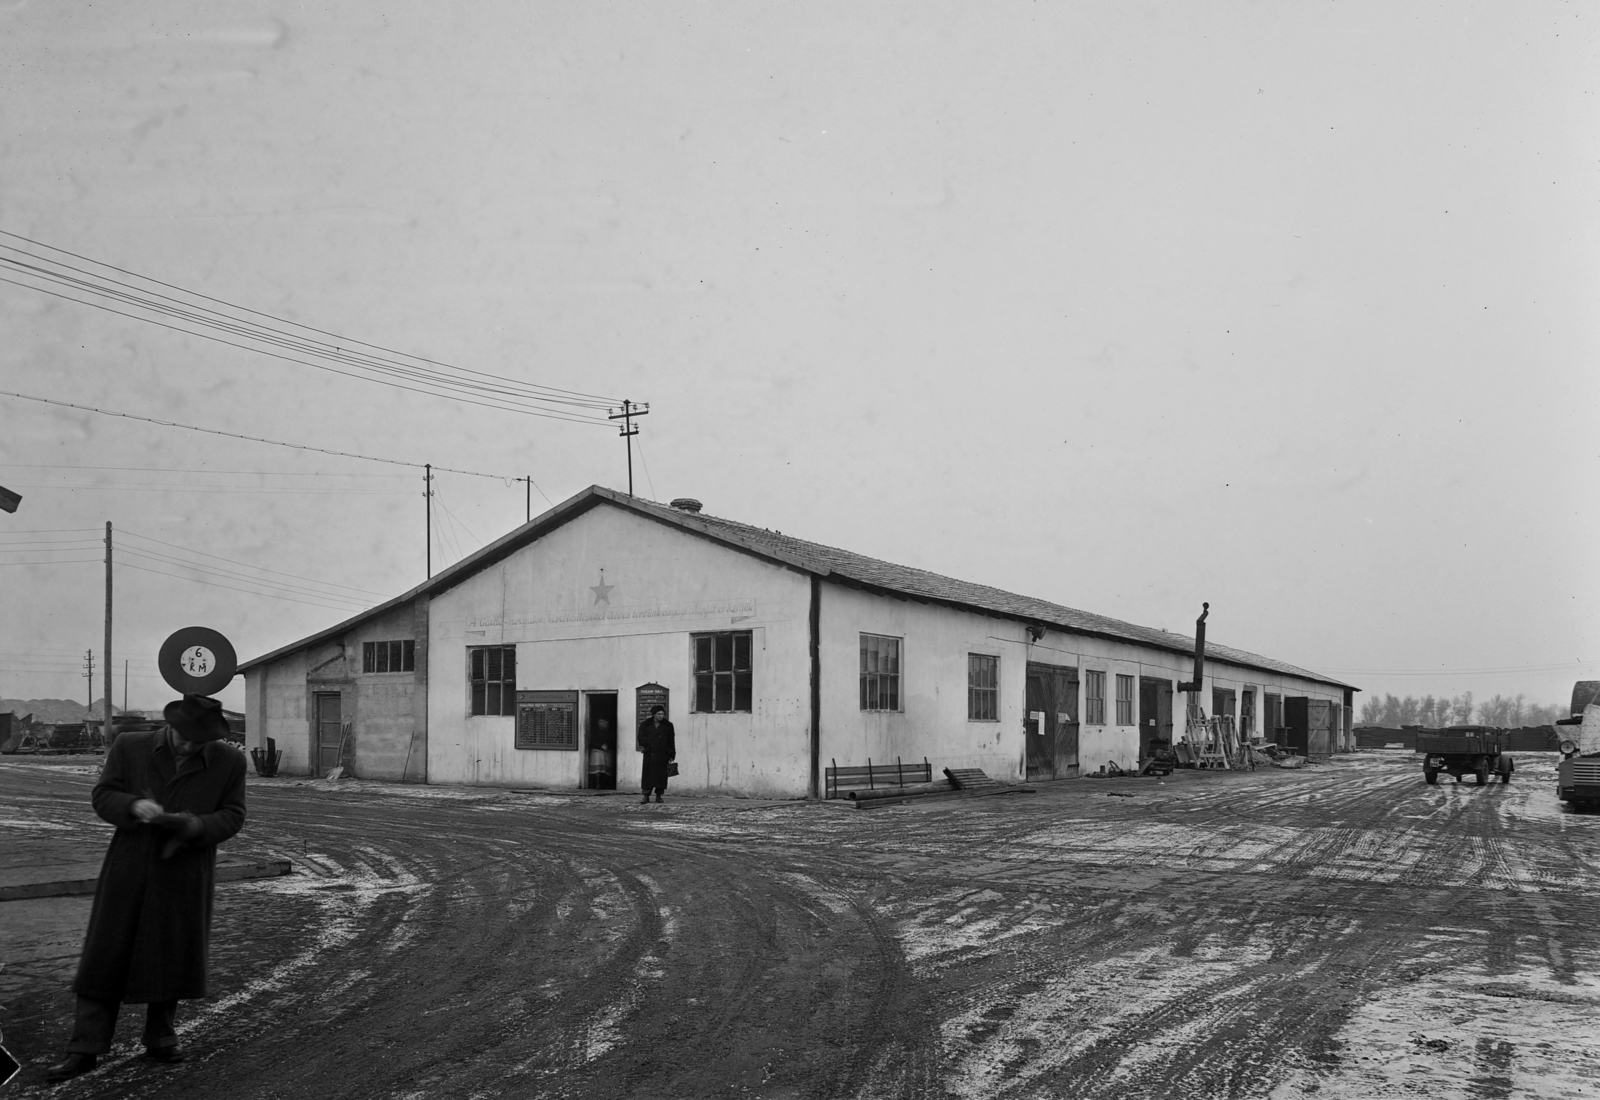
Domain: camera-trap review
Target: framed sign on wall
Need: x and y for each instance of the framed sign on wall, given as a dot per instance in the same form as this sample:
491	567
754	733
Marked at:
648	697
547	720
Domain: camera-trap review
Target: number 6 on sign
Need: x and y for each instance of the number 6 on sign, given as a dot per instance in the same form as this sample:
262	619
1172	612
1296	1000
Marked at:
197	661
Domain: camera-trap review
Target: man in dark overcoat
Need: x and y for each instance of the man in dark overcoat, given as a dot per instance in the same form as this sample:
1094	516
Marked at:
658	742
173	795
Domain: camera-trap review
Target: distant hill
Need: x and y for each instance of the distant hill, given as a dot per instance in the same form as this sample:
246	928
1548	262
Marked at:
57	710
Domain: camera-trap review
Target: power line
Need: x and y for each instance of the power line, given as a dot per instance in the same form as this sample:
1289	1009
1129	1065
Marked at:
247	565
646	466
245	490
595	400
54	561
58	531
215	571
216	584
507	478
503	406
184	470
450	377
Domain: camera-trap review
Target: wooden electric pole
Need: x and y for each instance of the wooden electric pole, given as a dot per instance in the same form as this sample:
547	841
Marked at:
629	429
428	480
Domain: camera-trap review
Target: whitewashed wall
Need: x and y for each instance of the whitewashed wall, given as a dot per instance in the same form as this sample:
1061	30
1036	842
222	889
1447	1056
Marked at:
665	585
275	706
933	721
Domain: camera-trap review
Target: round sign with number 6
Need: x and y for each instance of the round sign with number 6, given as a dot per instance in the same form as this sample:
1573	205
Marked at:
197	661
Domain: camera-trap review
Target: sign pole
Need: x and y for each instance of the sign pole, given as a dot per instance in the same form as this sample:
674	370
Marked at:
105	657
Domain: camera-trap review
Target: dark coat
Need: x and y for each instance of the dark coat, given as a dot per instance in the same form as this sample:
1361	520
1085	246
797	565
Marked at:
659	745
150	929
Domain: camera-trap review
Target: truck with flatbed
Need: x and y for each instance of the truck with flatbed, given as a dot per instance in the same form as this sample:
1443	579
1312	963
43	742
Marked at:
1465	750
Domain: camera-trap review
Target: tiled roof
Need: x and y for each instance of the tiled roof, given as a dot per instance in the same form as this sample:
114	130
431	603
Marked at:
826	561
919	583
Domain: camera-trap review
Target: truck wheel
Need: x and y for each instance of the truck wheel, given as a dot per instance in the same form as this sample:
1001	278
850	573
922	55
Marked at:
1483	773
1430	776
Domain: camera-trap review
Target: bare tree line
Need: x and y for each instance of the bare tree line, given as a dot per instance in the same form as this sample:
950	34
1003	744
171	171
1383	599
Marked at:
1439	711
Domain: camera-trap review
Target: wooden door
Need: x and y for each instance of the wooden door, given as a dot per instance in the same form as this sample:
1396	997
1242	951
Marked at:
1155	713
1052	722
1039	734
1148	730
1320	727
329	730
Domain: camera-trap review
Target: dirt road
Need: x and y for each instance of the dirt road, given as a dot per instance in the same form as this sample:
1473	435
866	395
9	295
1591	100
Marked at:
1341	931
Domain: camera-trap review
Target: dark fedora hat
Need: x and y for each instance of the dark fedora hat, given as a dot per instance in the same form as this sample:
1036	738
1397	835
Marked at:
197	718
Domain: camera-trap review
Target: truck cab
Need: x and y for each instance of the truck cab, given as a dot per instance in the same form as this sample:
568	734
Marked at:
1578	773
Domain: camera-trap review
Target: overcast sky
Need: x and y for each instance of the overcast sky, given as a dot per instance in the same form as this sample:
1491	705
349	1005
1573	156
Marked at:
1288	307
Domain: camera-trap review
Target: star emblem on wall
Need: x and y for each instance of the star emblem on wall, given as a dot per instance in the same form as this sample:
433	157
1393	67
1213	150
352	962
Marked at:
602	591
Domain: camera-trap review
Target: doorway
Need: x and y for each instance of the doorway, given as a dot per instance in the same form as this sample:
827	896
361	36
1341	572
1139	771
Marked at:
330	730
1155	713
600	741
1052	722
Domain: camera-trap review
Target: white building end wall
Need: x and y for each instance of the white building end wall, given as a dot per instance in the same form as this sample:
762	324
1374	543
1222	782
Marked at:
609	602
382	710
275	707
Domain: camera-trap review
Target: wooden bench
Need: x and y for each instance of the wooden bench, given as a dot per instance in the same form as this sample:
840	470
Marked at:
875	777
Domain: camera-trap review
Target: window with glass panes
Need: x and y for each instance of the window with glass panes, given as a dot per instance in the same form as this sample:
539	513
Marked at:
721	672
1124	700
1094	698
494	678
983	688
389	656
880	672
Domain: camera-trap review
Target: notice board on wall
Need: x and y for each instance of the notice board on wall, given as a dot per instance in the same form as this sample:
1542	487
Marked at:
547	720
648	697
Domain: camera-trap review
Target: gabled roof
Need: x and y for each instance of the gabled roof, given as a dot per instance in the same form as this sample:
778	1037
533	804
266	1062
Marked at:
841	566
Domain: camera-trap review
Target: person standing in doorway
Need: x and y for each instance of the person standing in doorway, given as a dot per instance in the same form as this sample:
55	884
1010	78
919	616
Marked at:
658	742
602	766
174	794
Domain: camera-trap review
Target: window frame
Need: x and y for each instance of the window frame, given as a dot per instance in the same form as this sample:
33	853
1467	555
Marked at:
872	682
980	692
401	651
1125	715
1094	697
716	684
504	686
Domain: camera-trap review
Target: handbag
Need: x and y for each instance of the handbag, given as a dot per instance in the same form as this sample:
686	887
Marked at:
672	768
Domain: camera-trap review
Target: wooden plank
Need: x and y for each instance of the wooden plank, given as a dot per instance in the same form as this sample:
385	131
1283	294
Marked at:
939	796
226	872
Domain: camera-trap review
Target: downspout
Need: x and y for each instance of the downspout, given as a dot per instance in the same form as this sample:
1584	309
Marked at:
816	686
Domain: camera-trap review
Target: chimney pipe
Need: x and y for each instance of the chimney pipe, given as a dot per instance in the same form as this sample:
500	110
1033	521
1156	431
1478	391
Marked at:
686	504
1199	651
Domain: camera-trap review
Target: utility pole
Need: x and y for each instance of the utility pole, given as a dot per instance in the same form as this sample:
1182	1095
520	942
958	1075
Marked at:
88	674
629	429
106	734
528	485
124	687
428	480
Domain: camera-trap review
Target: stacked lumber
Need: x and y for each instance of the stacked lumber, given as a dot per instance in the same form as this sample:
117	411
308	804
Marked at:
972	779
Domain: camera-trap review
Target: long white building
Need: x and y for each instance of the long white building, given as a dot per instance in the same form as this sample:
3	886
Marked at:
531	663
